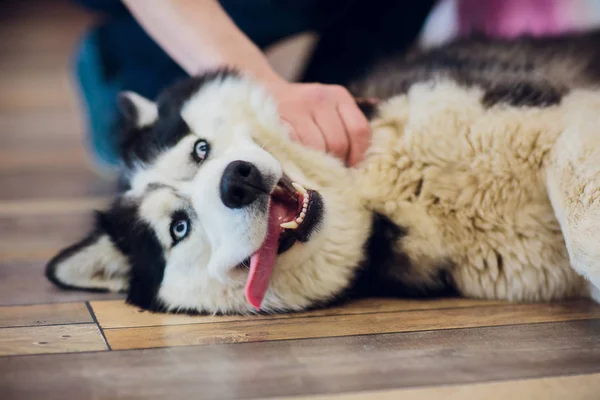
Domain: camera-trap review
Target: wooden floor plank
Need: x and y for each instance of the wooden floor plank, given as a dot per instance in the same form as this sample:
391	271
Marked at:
345	325
53	131
33	25
50	232
314	366
51	339
54	29
49	186
24	254
22	91
578	387
25	283
57	183
118	314
26	235
48	207
44	314
10	161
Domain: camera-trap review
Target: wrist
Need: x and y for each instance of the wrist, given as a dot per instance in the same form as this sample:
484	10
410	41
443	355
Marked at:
270	80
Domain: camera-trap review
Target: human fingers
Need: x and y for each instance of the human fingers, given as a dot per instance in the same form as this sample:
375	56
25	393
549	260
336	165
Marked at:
308	133
334	131
358	128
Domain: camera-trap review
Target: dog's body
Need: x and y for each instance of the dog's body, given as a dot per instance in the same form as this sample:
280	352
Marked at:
481	180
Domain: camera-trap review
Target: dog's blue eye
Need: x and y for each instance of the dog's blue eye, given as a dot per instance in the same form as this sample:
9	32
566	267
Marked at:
179	229
201	149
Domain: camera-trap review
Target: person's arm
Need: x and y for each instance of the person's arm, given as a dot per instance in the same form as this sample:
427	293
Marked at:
199	35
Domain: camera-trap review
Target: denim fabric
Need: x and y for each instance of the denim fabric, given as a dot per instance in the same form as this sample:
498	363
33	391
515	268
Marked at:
118	55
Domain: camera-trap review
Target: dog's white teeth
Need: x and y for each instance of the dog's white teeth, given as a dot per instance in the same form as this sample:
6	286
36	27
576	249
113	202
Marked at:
289	225
300	218
299	188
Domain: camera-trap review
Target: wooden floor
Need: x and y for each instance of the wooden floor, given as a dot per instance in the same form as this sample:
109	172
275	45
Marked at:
67	345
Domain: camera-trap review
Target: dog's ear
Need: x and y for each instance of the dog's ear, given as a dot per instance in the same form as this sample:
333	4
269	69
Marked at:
138	116
137	111
95	263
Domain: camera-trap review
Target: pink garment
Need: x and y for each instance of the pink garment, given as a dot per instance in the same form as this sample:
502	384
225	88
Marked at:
510	18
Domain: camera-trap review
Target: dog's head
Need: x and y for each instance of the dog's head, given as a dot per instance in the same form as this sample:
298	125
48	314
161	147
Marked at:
224	214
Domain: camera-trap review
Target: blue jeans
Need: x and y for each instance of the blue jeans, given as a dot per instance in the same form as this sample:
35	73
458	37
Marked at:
118	55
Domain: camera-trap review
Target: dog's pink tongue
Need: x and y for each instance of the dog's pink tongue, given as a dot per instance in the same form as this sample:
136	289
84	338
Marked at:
263	261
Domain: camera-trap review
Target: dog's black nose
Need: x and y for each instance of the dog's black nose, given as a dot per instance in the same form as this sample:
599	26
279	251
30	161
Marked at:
241	184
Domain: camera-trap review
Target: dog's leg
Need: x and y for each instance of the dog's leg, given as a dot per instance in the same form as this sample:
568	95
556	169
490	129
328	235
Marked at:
573	182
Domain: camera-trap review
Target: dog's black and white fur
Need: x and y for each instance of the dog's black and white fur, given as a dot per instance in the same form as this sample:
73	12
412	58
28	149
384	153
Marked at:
479	182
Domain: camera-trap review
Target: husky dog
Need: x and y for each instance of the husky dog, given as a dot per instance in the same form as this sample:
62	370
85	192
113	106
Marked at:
482	180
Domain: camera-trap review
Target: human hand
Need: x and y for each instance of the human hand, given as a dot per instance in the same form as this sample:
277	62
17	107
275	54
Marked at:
323	117
200	36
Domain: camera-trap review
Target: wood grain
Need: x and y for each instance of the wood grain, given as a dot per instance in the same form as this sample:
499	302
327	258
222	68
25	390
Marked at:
25	283
345	325
57	183
26	254
51	339
41	159
49	187
53	30
50	232
44	314
579	387
49	131
313	366
45	233
47	207
23	91
118	314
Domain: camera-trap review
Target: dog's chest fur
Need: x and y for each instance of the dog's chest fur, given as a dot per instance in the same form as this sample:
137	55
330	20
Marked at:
463	186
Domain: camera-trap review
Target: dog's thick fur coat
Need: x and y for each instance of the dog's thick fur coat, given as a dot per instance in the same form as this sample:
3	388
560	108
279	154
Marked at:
482	179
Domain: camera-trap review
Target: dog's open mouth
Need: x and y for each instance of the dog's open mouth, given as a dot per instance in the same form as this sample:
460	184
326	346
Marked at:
294	214
298	212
